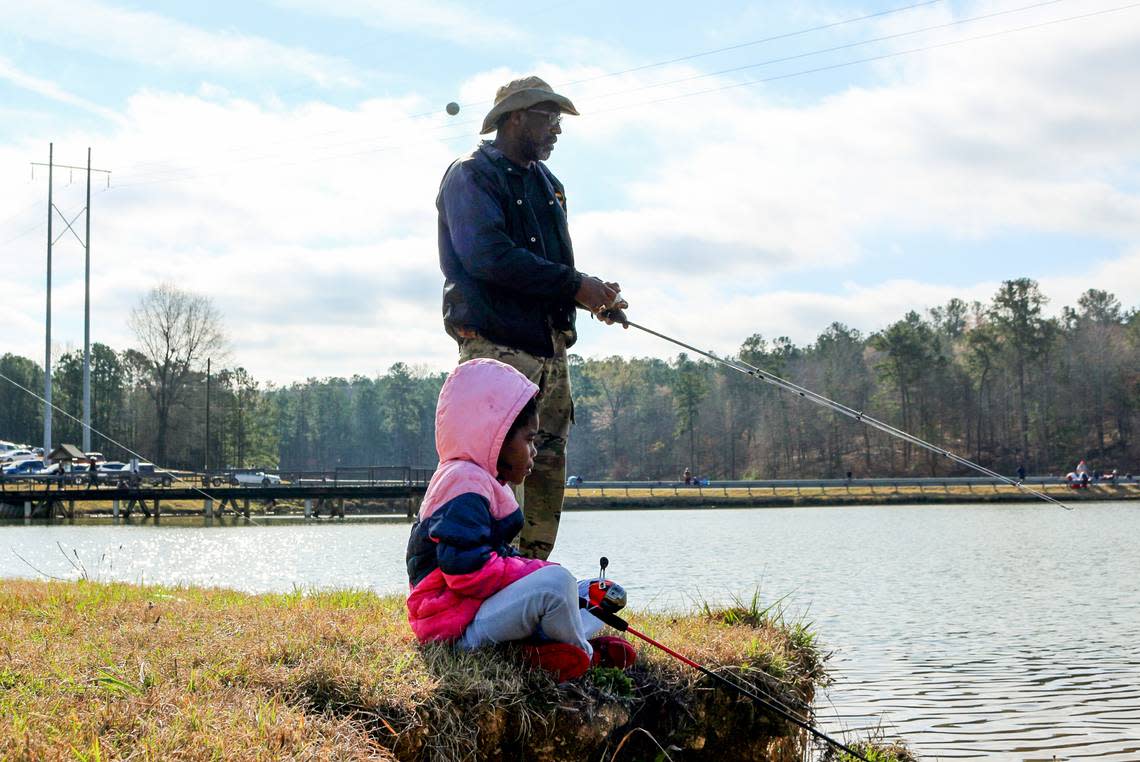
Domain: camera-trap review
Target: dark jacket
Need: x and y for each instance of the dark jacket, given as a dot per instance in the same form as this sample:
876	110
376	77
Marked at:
460	537
499	279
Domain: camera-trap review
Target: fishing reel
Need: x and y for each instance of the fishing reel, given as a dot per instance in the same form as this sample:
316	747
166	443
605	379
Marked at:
605	594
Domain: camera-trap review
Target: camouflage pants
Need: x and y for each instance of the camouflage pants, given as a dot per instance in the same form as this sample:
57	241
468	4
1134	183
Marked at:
541	494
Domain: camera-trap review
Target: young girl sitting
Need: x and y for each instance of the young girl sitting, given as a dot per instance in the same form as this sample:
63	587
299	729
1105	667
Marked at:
469	585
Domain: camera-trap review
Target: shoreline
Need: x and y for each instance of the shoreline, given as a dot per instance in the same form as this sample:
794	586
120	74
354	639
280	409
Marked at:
717	497
651	499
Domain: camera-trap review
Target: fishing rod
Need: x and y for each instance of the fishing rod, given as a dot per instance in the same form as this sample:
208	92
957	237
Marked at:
113	441
606	598
858	415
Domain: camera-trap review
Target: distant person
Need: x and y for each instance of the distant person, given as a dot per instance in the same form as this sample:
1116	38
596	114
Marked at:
469	585
511	289
848	476
1021	473
687	476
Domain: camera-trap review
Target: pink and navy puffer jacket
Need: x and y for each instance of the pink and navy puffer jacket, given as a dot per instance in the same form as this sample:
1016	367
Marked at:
459	552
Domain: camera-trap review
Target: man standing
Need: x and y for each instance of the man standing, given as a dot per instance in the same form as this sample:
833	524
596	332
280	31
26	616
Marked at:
510	287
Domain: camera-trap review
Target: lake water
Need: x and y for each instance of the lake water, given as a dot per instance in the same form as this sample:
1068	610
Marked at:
997	632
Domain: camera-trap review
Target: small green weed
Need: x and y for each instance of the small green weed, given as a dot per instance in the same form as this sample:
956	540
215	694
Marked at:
612	680
875	748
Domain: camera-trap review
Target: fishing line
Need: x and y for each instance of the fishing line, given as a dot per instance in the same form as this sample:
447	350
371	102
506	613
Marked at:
858	415
115	442
768	702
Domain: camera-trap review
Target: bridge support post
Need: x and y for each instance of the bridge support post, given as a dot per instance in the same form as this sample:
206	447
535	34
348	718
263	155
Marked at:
308	507
157	509
71	509
115	509
27	509
245	507
340	507
208	507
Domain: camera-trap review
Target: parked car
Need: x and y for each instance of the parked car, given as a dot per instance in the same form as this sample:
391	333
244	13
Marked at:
253	478
24	467
15	456
151	473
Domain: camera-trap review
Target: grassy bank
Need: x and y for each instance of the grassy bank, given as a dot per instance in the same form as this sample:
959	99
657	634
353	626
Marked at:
96	671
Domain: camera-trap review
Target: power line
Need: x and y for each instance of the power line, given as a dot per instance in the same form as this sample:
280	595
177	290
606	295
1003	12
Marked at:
371	42
789	75
836	48
642	67
871	59
18	236
112	440
762	40
21	213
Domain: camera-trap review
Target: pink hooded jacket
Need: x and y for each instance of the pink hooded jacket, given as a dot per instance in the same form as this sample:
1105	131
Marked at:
477	405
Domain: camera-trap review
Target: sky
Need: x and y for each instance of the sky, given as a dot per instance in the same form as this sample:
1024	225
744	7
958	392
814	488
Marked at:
739	168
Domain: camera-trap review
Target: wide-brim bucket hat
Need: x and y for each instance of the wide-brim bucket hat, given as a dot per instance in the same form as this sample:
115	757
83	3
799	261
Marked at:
521	94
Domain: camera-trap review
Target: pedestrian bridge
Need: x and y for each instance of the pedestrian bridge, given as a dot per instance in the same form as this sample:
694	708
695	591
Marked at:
52	496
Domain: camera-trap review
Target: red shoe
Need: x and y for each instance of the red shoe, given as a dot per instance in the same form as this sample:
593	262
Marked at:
612	652
565	661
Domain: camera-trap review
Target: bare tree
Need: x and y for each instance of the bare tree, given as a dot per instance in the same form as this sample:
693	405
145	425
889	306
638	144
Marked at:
177	331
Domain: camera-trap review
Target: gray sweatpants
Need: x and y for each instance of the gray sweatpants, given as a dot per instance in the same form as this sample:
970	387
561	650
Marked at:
544	601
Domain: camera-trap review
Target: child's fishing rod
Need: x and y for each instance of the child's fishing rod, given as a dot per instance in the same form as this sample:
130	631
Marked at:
858	415
606	598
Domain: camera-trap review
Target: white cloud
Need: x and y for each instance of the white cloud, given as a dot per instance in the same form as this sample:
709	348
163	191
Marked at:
322	258
312	226
51	90
152	40
1017	133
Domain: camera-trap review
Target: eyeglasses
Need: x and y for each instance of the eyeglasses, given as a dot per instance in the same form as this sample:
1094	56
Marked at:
553	118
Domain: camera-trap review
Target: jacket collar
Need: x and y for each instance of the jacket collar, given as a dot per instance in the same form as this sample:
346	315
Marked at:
499	159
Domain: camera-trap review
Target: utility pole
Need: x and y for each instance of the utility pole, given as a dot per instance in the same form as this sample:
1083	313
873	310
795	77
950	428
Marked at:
87	315
47	321
86	243
206	458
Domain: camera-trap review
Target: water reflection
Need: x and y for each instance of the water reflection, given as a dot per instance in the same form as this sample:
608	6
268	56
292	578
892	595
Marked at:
999	632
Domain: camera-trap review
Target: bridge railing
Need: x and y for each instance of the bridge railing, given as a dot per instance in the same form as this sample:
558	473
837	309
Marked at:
774	486
368	476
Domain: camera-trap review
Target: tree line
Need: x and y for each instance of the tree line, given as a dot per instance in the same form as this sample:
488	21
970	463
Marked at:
1000	383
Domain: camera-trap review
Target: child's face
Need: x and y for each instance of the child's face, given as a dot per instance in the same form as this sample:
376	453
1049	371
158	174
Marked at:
516	459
